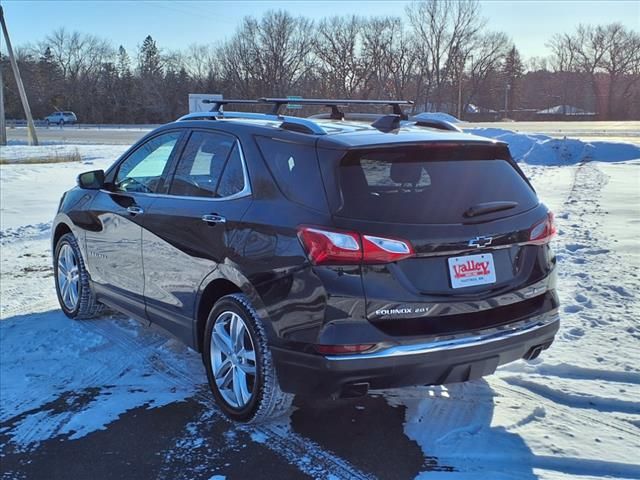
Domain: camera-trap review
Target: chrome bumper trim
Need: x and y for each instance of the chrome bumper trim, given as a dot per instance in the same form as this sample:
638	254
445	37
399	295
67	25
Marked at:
495	335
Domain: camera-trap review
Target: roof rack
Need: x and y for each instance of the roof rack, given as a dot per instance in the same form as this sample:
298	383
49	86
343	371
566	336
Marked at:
298	124
334	104
219	103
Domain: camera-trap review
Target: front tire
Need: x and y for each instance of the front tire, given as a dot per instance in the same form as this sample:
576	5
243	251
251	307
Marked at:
239	365
73	287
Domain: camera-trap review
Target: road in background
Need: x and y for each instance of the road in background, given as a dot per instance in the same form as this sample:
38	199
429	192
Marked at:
128	134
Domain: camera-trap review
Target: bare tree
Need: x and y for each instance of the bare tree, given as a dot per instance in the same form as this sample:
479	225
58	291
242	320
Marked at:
390	58
338	48
202	64
484	56
443	29
608	54
621	62
269	56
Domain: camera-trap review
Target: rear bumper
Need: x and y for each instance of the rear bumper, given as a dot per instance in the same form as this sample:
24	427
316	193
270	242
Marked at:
434	362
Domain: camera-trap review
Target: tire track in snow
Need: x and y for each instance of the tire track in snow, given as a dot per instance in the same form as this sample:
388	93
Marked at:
584	416
302	452
309	457
583	259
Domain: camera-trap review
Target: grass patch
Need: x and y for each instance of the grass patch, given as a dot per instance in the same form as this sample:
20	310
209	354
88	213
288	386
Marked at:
52	158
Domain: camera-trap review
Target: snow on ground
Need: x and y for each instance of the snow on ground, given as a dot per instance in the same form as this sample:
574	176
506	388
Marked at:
573	413
49	153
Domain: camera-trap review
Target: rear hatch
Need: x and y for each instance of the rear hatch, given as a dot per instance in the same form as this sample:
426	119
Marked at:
466	210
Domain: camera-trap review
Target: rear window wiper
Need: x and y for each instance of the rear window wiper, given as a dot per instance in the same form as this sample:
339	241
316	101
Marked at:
488	207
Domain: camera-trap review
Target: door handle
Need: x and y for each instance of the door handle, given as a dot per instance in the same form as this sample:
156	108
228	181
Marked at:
134	210
213	218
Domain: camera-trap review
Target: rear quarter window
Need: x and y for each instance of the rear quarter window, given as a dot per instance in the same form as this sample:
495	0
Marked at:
295	170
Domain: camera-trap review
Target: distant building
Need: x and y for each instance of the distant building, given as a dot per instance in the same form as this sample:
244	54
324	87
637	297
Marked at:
195	101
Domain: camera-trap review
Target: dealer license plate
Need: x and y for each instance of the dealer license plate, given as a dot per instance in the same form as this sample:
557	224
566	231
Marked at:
472	270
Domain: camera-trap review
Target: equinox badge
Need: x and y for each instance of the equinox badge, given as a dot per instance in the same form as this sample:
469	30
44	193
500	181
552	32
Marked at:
480	242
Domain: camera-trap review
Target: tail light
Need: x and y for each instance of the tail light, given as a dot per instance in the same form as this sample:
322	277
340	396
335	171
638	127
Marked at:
333	247
542	232
343	349
385	250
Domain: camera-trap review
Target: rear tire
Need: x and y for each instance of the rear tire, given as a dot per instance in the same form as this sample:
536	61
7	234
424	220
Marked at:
239	367
73	286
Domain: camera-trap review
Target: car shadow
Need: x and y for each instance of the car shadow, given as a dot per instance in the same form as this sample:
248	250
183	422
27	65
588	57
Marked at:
402	433
388	434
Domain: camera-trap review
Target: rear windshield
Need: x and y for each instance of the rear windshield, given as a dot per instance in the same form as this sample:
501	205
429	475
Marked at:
429	185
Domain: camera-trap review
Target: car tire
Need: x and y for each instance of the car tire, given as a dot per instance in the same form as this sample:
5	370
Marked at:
229	367
73	286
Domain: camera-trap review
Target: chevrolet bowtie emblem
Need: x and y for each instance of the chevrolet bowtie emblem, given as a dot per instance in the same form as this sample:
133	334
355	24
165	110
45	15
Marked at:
480	242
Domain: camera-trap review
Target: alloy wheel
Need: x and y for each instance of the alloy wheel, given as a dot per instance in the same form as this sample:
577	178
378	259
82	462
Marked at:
233	359
68	276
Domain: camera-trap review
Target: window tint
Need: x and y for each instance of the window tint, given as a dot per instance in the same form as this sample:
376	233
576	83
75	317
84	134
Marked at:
232	180
295	170
407	186
142	171
201	164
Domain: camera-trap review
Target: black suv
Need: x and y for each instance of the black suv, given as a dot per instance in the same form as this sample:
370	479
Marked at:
321	256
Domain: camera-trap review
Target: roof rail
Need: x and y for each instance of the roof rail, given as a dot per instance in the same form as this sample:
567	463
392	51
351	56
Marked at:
219	103
336	113
297	124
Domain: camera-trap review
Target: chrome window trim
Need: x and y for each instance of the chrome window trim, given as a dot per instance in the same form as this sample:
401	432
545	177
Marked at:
245	192
494	335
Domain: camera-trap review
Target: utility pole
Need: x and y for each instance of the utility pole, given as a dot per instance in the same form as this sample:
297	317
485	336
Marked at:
460	96
31	129
506	99
3	125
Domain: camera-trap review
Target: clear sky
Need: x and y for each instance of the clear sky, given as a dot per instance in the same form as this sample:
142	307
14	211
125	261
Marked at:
176	24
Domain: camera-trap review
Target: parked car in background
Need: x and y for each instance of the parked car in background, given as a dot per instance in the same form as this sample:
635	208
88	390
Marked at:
60	118
316	256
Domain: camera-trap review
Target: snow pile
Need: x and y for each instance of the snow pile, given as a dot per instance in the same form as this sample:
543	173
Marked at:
538	149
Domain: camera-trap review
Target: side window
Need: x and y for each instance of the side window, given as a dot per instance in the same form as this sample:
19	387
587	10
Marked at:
202	163
232	180
296	171
142	171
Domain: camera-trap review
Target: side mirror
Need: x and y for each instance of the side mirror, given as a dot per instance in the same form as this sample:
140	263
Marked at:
93	180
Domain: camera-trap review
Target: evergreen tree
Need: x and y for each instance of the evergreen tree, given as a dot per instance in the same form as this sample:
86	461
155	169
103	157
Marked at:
123	63
149	58
47	89
512	71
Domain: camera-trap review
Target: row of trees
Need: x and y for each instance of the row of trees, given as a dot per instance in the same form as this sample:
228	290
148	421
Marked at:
441	54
